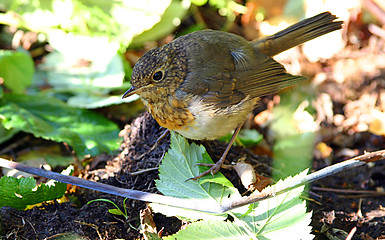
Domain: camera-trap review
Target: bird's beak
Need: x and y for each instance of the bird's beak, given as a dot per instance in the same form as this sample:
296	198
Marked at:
130	91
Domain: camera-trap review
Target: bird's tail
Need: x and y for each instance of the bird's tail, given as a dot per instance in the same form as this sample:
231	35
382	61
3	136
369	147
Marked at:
298	33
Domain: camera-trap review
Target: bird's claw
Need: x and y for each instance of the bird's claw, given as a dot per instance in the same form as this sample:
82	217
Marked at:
214	168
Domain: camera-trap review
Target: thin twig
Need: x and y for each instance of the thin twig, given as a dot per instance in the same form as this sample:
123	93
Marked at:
199	205
163	135
351	233
374	29
327	171
143	171
348	191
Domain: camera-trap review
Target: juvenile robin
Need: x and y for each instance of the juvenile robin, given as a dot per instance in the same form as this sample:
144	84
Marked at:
204	84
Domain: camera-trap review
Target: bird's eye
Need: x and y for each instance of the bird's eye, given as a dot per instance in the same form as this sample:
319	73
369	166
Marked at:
157	76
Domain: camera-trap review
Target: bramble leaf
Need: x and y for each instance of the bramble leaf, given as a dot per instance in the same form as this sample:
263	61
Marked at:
21	192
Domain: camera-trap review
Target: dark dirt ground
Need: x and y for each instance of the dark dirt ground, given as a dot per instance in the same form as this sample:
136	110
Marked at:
94	221
343	132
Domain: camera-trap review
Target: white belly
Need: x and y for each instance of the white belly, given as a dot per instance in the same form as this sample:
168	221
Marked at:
212	124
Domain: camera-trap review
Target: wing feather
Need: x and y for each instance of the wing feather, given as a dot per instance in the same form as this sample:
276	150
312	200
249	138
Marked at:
269	77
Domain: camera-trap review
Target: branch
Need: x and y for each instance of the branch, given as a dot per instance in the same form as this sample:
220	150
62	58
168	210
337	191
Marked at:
199	205
327	171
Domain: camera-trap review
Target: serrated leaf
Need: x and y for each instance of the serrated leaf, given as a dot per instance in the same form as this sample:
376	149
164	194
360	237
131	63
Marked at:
179	164
16	68
185	214
87	132
21	192
211	229
283	215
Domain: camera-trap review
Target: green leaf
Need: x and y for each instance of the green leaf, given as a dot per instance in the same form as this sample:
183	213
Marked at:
210	229
87	132
116	211
247	137
283	215
75	63
103	200
179	164
80	75
51	155
16	68
89	101
171	18
21	192
250	137
6	134
293	130
293	154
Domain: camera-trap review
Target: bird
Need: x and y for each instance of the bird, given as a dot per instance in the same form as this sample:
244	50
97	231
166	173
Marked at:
204	84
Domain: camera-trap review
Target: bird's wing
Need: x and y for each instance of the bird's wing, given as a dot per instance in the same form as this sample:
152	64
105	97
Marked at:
265	78
250	79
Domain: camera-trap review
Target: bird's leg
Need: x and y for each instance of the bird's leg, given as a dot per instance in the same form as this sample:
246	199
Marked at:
215	168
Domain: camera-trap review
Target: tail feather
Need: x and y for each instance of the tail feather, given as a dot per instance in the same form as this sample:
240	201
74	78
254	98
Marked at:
298	33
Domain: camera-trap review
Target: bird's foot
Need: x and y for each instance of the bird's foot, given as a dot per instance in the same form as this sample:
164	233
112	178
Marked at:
213	169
